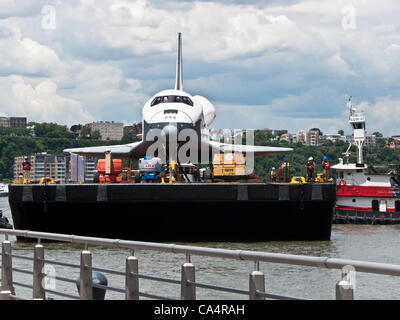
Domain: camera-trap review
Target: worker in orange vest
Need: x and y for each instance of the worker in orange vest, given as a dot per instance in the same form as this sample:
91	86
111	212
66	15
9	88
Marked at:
325	166
284	172
26	167
310	166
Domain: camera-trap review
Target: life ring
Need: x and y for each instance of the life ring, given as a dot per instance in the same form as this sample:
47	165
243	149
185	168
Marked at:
342	182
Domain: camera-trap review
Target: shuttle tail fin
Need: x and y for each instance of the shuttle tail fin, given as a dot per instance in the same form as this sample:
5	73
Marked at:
179	73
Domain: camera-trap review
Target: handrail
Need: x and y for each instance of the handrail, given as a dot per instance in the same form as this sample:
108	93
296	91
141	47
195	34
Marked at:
147	277
188	285
300	260
64	264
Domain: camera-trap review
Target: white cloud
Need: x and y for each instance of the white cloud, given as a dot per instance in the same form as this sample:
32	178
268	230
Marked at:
19	7
382	116
257	117
293	57
23	55
39	103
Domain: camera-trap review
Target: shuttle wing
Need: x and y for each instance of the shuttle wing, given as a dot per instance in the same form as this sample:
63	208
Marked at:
257	150
132	150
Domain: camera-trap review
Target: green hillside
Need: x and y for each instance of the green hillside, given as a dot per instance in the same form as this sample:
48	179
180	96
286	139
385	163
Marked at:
49	141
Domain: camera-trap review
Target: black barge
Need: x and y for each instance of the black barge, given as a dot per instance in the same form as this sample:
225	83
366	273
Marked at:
178	212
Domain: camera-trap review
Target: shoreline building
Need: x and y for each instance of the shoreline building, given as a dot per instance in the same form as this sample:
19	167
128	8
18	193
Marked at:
44	165
334	137
90	167
108	130
137	130
309	137
13	122
57	167
395	142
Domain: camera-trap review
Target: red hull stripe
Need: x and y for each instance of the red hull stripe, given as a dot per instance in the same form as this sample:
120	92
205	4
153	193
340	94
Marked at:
361	208
364	191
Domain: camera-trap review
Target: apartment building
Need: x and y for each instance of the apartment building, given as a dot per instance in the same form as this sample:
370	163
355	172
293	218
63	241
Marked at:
44	165
334	137
395	142
108	130
309	137
13	122
54	166
289	137
137	129
90	167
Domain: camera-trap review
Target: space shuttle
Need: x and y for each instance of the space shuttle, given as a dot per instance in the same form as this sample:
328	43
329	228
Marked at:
168	117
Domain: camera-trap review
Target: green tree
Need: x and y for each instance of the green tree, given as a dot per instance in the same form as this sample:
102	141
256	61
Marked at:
76	127
95	135
51	130
127	138
86	132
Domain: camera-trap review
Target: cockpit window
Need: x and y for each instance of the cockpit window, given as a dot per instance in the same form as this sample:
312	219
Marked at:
187	101
172	99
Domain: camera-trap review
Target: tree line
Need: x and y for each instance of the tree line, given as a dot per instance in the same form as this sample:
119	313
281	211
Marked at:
378	155
53	139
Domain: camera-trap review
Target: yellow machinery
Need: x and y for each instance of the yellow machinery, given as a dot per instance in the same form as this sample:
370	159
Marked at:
47	180
320	178
21	180
170	177
298	180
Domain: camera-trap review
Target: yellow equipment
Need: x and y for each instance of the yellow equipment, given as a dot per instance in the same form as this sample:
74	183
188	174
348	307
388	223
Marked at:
172	172
320	178
21	180
298	180
47	180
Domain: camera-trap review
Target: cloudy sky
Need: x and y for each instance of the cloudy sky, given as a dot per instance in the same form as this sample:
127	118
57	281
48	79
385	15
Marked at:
264	64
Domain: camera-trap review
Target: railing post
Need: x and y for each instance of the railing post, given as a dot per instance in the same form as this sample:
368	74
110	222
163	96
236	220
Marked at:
6	267
344	288
86	284
131	280
38	290
256	283
188	292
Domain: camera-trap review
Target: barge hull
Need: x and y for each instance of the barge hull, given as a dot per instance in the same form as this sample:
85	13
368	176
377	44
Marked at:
177	212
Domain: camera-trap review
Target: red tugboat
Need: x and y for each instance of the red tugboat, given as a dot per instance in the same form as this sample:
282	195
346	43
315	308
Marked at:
364	195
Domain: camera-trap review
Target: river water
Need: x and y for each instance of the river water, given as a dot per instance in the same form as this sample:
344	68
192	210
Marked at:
376	243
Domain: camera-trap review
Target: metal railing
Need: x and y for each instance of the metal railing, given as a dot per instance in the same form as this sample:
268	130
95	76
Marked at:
187	282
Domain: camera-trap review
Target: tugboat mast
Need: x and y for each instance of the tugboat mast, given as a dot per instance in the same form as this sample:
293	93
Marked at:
357	121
